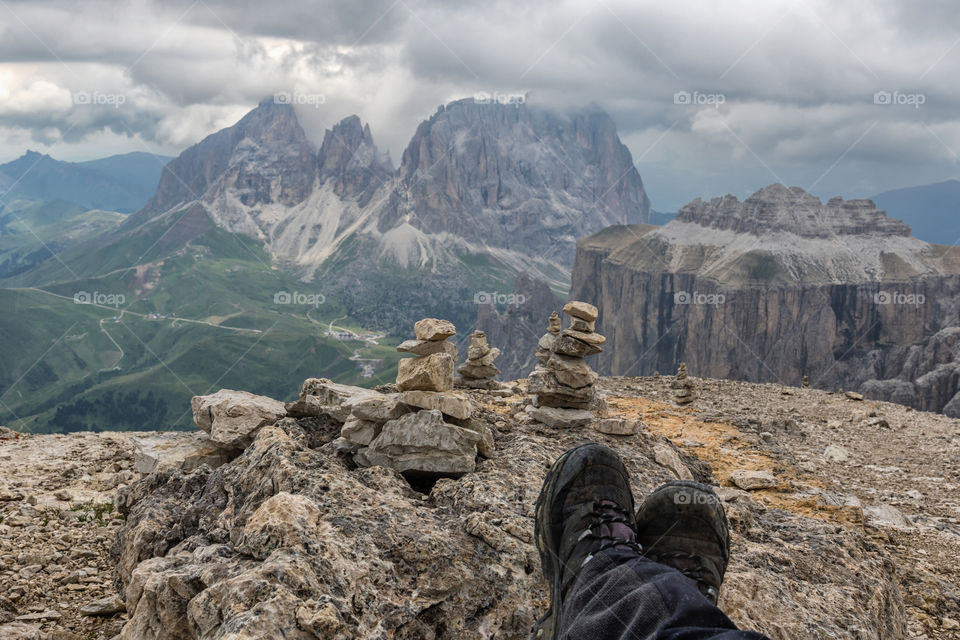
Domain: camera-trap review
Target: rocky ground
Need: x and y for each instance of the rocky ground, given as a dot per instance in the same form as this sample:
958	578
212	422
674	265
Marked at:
857	535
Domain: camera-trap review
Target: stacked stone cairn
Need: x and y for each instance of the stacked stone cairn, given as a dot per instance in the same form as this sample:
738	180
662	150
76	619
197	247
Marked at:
424	429
563	383
806	382
683	387
478	371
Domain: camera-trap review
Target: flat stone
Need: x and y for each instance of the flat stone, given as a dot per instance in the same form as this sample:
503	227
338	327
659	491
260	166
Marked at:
422	442
233	417
853	395
451	404
378	407
551	393
427	373
571	372
477	371
106	606
582	310
590	338
360	432
323	397
885	516
485	445
559	418
475	353
547	342
749	480
616	426
569	346
583	325
427	347
434	329
184	451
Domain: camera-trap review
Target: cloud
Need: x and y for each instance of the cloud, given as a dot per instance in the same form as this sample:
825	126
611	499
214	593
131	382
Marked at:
797	80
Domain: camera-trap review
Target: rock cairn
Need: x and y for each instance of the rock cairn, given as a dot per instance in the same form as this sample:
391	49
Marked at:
478	371
424	429
806	382
683	387
563	383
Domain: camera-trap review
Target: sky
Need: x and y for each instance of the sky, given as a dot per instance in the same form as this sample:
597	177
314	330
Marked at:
712	97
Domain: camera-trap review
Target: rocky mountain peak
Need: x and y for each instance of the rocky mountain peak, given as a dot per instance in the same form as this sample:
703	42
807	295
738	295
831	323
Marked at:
517	177
777	208
350	158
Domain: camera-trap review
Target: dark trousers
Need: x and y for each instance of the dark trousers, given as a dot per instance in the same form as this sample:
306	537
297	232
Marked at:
620	595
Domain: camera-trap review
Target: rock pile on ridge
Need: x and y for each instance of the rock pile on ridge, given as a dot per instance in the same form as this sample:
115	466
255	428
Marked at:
478	371
562	381
424	429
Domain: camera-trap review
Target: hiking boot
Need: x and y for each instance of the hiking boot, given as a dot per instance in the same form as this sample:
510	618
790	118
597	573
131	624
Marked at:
682	525
585	507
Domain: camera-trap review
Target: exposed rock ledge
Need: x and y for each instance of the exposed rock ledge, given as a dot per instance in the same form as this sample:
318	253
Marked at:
859	539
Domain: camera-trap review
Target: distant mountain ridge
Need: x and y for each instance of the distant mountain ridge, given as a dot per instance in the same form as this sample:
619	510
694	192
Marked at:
776	287
120	183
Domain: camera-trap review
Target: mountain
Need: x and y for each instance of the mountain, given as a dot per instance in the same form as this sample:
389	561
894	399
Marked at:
931	210
483	194
120	183
777	287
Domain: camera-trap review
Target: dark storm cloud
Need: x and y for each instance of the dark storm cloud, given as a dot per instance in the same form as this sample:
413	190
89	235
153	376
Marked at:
777	89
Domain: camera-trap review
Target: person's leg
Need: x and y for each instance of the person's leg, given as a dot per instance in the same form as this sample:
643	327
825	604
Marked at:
601	586
620	595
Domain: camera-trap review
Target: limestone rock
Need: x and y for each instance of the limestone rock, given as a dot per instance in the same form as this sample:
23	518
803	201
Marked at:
232	417
433	329
427	373
750	480
423	443
360	432
560	418
616	426
378	407
569	346
582	310
426	347
594	339
321	396
161	451
571	372
451	404
667	456
478	372
106	606
285	520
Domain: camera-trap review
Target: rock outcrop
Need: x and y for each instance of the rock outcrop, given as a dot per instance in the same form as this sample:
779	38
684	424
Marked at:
777	287
292	539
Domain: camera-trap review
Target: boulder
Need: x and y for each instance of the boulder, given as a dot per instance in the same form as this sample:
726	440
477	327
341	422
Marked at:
233	417
560	418
323	397
581	310
451	404
427	347
434	329
423	443
428	373
106	606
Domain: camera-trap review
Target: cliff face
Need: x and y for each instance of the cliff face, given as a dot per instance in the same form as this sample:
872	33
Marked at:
778	287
